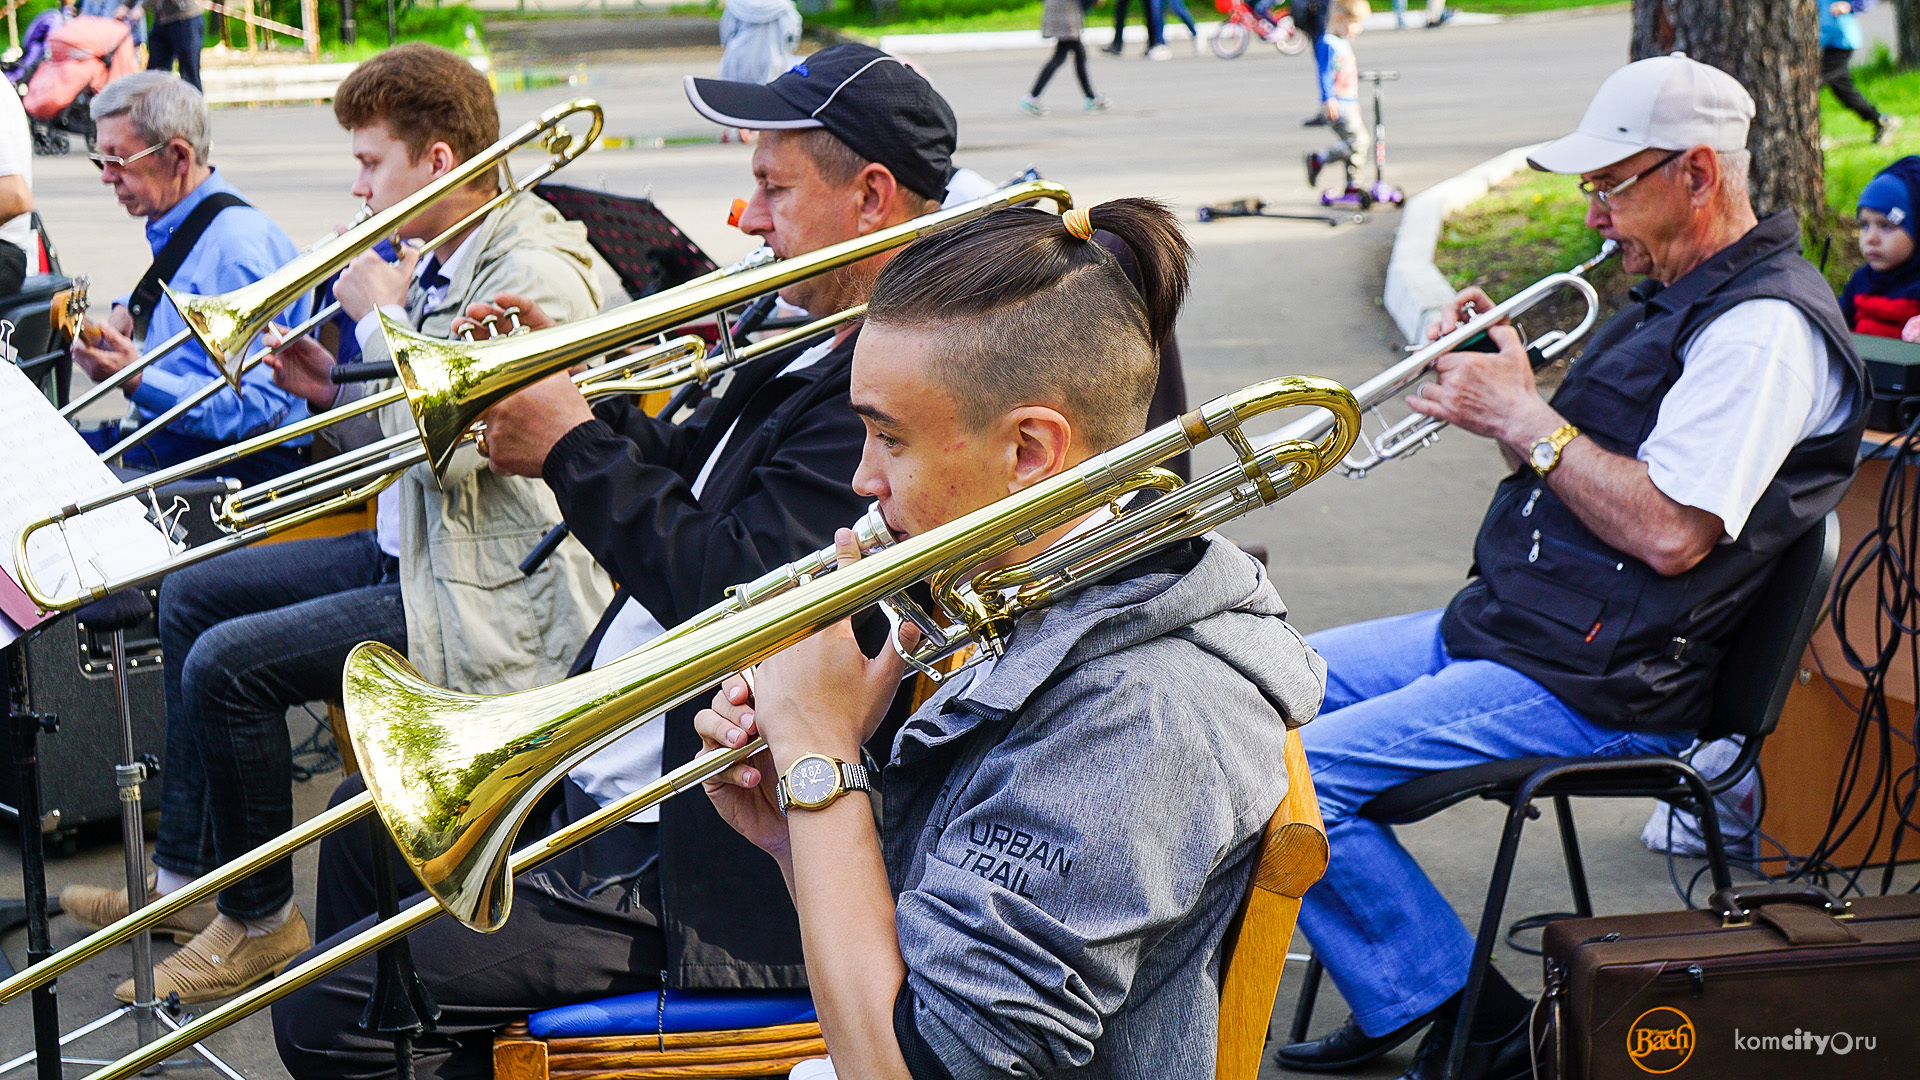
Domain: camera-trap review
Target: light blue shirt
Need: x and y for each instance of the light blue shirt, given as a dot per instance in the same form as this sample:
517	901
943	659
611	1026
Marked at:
240	246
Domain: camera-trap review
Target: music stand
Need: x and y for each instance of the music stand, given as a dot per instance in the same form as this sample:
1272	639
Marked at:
114	614
647	251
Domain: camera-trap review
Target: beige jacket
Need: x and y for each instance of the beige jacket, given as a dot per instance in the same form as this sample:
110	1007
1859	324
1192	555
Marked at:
474	623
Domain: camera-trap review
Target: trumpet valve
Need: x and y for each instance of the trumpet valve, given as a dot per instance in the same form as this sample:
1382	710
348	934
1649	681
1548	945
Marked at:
512	316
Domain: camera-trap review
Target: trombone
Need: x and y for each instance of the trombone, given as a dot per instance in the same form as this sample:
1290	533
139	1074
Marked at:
449	385
1415	431
224	323
453	775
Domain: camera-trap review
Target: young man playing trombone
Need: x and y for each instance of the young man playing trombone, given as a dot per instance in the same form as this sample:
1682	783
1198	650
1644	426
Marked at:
255	631
1067	830
755	478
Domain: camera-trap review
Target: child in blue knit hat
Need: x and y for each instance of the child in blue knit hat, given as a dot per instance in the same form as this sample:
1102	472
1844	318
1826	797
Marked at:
1883	297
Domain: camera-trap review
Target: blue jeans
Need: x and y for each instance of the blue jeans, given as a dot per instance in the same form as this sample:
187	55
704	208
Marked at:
246	636
1398	707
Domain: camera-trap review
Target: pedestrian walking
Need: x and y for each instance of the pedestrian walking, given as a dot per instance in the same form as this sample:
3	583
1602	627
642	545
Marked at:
1310	18
1063	21
1178	9
1157	31
758	39
179	29
1839	37
1112	48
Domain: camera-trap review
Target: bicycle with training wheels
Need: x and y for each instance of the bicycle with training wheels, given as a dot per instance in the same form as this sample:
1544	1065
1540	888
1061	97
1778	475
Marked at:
1242	24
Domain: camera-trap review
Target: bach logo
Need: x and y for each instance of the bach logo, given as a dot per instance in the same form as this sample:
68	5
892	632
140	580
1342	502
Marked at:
1660	1040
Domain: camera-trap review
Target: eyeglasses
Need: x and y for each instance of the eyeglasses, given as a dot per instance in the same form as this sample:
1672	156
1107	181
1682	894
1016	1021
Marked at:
101	161
1605	198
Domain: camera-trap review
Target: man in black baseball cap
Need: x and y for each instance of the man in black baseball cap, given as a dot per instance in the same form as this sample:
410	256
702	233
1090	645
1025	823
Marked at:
852	142
880	108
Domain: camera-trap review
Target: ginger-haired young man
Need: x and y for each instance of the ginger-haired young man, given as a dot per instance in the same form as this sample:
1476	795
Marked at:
259	630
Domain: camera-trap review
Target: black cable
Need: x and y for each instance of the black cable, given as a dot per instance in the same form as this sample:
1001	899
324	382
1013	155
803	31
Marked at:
1886	558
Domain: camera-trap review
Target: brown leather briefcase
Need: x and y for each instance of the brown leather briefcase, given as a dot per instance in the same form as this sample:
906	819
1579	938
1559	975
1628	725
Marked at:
1771	981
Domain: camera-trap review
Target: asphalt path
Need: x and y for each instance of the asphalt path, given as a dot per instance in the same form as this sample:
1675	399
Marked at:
1270	297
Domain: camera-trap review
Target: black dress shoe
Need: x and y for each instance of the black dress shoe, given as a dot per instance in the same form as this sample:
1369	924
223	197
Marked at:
1113	49
1347	1048
1502	1058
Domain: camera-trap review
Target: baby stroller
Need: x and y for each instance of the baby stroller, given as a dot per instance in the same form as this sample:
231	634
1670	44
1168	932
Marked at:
33	47
83	56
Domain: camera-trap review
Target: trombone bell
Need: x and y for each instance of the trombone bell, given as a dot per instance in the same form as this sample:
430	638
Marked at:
223	324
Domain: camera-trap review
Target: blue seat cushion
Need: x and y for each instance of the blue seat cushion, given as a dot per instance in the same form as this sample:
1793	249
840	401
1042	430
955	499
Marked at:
683	1010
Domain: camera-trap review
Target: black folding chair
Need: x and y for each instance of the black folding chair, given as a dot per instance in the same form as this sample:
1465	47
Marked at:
1751	689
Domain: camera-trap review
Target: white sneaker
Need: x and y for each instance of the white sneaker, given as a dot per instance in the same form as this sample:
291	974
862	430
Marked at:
1032	107
1159	52
1099	103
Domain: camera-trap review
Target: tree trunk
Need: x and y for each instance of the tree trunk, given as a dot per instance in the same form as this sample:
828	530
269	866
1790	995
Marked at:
1773	49
1907	15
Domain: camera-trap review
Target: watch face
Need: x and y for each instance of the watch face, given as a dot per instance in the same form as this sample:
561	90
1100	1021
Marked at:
1543	454
812	780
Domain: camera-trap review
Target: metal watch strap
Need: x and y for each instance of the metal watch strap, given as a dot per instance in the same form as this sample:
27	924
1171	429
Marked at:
853	777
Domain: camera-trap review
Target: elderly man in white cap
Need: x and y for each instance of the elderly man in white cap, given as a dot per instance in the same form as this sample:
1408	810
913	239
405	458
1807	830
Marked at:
1710	423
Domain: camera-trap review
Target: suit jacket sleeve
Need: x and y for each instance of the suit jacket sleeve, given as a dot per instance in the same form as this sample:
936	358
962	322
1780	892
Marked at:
640	519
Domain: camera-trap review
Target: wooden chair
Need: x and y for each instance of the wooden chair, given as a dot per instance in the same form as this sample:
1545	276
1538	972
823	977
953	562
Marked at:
1292	856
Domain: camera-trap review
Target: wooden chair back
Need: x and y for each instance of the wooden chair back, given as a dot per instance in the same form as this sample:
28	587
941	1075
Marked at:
1292	856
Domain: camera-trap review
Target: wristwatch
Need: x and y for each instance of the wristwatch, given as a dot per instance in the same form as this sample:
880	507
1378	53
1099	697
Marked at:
814	781
1546	449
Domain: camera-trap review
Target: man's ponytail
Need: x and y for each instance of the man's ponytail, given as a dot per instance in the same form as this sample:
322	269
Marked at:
1161	256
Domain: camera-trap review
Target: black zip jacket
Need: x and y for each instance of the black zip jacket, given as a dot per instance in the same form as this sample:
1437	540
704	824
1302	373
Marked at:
624	481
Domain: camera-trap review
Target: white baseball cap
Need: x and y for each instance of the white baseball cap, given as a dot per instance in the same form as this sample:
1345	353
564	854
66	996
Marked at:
1661	103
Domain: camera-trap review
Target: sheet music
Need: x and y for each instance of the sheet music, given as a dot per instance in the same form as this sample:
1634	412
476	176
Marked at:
46	465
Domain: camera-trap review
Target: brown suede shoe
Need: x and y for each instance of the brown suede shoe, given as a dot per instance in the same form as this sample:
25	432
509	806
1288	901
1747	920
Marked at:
223	961
94	907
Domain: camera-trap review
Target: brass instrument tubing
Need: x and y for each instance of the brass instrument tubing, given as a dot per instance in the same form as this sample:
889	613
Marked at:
693	773
253	359
113	381
187	895
150	481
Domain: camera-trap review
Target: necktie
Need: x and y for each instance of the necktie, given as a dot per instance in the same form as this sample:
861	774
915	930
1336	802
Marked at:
431	278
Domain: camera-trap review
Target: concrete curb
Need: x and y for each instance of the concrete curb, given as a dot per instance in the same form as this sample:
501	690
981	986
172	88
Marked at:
242	84
1415	291
1100	36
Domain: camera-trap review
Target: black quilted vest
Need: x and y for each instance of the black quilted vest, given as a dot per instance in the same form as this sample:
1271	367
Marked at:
1616	642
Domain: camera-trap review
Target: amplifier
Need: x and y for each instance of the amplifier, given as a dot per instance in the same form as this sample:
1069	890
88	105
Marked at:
1893	381
67	669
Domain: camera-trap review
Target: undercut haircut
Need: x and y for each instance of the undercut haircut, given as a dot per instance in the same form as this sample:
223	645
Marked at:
423	94
161	106
1029	314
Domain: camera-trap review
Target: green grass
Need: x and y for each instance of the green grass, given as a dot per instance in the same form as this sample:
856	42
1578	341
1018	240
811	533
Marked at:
441	24
1531	226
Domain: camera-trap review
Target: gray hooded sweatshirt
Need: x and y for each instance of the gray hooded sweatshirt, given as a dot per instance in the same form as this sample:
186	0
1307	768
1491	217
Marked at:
1070	832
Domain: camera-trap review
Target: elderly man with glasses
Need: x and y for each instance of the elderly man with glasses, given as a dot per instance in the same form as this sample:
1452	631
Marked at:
1709	424
152	151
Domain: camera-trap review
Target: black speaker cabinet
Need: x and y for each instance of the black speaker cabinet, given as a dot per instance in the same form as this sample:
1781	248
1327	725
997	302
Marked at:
67	674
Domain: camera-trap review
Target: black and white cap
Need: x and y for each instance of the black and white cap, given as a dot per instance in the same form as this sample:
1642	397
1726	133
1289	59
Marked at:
881	108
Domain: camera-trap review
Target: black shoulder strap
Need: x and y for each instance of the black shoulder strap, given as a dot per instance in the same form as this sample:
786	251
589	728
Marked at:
174	252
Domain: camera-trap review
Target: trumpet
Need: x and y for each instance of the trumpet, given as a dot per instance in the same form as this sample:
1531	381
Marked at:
450	384
1414	431
223	324
453	775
